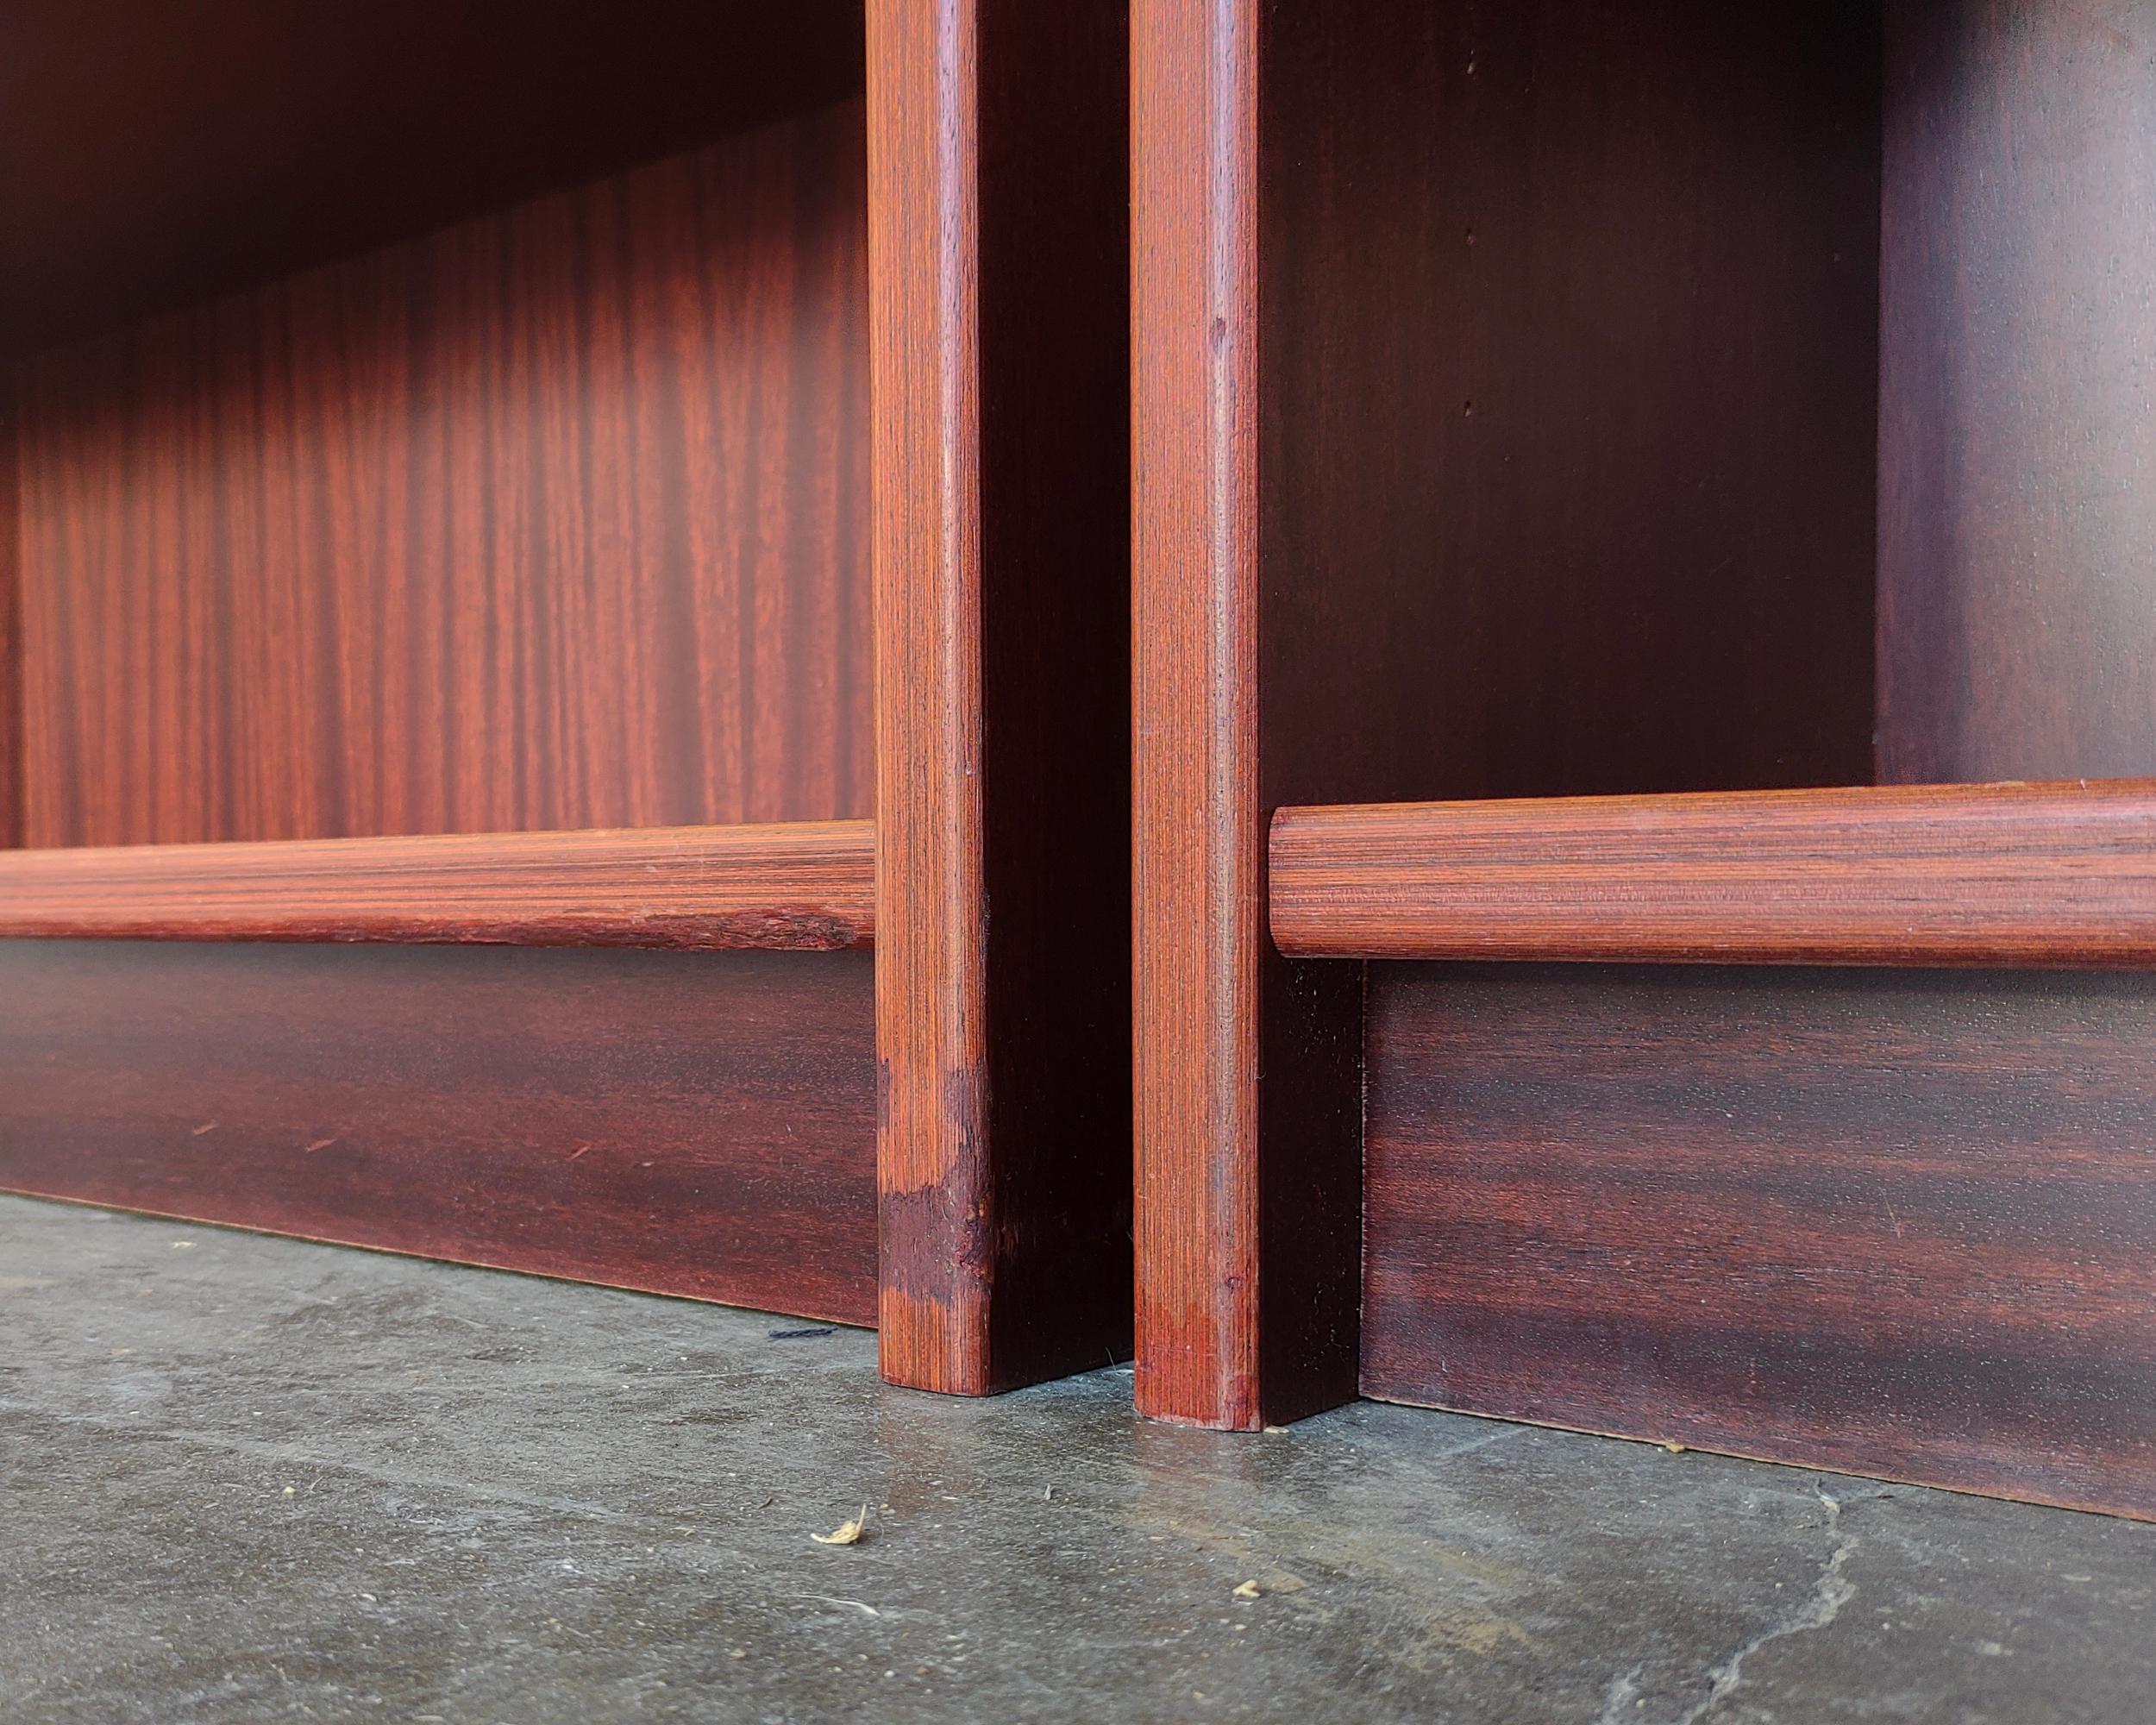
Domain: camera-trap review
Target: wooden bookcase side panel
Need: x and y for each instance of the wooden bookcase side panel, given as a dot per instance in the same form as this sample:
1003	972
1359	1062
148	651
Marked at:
11	743
689	1124
1451	334
999	222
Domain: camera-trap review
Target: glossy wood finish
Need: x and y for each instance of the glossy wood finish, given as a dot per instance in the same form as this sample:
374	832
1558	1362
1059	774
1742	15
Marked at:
685	1123
556	519
11	635
162	153
1453	325
998	222
1198	832
2060	876
805	888
2017	524
1901	1224
1570	334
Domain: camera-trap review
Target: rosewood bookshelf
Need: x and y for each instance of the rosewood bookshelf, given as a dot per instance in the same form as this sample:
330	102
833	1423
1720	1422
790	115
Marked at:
1646	742
553	562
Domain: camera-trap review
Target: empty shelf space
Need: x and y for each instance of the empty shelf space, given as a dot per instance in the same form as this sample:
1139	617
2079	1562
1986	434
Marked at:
796	885
2025	874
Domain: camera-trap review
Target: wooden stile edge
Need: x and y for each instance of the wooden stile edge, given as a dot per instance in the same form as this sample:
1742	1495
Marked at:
998	288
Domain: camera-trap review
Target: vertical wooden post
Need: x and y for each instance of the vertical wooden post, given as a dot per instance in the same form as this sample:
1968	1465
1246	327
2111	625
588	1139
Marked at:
1199	830
998	262
11	743
1247	1202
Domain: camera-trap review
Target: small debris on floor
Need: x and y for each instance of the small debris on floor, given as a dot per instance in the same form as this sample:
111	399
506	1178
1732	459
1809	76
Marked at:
1249	1590
846	1533
810	1333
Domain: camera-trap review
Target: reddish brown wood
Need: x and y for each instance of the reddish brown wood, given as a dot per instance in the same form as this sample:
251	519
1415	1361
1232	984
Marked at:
10	632
807	888
160	153
1454	325
2017	525
998	215
1901	1224
553	520
1940	875
1198	832
684	1123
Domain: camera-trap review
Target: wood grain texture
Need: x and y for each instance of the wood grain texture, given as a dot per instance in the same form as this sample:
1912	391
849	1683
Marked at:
1453	327
1900	1224
1570	397
2059	876
1197	830
684	1123
556	519
997	248
11	631
161	154
2017	426
810	887
932	973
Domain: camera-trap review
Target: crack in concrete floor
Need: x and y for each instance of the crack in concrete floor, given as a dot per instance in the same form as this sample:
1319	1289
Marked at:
518	1500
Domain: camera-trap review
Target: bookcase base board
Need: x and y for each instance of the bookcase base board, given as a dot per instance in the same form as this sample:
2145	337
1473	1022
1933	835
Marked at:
694	1124
1895	1223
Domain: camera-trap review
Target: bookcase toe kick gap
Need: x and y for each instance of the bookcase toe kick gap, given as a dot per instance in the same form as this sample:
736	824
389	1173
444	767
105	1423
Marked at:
1816	1126
642	1057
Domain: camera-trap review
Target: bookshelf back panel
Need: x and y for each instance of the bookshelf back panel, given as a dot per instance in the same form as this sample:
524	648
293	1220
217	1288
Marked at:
1570	338
556	518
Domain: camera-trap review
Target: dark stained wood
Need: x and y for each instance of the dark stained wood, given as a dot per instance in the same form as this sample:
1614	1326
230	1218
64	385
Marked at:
684	1123
1901	1224
556	519
1454	326
1569	349
2060	876
998	243
157	155
2017	524
810	887
1053	205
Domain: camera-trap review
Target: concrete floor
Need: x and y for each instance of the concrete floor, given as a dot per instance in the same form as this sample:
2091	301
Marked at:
248	1478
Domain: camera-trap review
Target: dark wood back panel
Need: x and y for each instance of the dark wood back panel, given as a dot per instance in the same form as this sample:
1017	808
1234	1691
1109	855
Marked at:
1568	353
156	154
686	1123
1899	1223
554	519
2017	439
